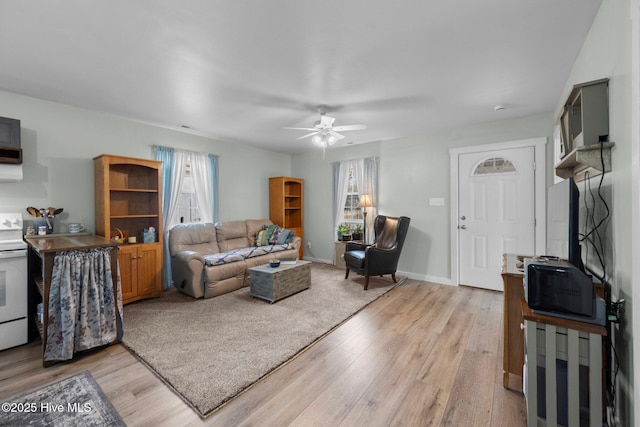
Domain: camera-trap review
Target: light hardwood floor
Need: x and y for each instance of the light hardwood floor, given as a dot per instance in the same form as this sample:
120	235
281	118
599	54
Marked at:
421	355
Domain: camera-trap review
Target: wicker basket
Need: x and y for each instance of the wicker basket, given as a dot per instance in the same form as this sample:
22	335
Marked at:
119	236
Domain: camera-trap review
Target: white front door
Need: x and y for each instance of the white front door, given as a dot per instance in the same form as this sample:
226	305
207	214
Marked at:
496	212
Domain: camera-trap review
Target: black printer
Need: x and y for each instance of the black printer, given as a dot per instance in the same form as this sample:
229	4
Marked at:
558	288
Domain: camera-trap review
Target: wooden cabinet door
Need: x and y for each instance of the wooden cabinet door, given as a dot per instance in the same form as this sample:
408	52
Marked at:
128	272
149	263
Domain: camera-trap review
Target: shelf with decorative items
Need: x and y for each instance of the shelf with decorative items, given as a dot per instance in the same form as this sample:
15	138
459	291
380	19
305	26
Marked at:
286	205
129	211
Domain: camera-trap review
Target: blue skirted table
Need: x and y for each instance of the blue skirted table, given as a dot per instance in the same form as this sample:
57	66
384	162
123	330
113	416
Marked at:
77	280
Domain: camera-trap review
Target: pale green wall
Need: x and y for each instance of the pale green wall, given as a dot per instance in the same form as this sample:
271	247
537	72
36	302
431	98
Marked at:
315	169
59	143
607	53
412	170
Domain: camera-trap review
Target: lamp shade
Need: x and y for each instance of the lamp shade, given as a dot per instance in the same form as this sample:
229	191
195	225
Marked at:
365	201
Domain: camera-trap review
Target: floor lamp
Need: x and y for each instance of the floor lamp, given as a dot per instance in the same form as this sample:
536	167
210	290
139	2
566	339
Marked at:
365	202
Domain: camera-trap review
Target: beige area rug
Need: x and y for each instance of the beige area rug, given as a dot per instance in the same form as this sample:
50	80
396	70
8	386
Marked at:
210	350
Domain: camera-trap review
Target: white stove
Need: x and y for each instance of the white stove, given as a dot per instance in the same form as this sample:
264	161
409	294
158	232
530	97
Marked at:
13	282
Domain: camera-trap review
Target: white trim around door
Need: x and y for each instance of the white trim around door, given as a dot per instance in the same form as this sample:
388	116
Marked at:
539	146
635	199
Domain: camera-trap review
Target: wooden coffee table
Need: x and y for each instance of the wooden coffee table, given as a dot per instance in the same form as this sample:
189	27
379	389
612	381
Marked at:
273	284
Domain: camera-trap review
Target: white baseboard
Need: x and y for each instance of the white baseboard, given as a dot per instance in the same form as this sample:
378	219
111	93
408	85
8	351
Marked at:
324	261
428	278
422	277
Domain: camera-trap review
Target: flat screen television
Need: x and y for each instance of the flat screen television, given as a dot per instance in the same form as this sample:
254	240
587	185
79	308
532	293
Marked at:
563	222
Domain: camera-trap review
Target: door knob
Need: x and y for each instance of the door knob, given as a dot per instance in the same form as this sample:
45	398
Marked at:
463	227
463	217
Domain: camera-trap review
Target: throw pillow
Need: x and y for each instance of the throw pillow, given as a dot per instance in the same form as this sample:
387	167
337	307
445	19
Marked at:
275	235
286	236
264	236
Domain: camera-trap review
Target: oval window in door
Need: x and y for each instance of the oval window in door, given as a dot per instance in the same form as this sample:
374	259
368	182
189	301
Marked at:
494	165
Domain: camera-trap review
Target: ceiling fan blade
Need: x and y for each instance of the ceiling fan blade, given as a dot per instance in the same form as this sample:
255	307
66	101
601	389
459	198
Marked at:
306	136
350	127
300	128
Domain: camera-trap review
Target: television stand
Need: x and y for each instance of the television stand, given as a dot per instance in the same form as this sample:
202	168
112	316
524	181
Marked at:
551	343
599	319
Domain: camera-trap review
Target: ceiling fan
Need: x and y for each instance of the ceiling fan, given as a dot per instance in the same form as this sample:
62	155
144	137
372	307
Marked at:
324	134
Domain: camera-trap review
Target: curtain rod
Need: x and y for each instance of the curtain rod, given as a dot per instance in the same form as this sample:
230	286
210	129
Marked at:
376	158
182	149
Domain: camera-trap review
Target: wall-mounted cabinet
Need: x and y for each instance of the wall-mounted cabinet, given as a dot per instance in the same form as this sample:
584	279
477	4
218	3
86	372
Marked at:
585	117
584	125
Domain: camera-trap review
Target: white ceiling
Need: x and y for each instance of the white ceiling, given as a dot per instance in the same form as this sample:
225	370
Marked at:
240	70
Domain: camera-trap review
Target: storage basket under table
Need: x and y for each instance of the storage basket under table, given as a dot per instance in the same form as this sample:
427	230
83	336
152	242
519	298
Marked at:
275	283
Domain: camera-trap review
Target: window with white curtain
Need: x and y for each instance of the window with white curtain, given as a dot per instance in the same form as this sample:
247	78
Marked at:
189	192
191	197
351	180
188	210
352	214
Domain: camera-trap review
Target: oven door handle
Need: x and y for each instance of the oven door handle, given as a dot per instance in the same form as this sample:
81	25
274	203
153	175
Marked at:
19	253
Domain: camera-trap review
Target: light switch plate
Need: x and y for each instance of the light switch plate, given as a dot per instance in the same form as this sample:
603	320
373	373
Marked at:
436	201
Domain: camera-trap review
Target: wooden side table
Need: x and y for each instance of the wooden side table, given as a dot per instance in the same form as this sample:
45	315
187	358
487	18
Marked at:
338	259
513	335
338	254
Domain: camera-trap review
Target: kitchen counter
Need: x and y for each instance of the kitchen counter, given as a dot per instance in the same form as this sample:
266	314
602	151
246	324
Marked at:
67	242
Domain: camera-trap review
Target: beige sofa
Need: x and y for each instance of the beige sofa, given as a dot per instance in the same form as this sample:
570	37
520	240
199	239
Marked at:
208	260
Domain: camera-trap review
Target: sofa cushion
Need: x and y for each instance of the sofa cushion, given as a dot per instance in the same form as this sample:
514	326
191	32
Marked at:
223	258
355	258
199	237
254	226
243	253
232	235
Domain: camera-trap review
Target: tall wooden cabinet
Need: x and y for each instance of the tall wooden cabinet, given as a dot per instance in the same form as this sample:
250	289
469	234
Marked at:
129	201
286	205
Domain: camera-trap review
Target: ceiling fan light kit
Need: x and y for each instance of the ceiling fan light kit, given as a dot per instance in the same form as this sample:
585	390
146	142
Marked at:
324	134
324	139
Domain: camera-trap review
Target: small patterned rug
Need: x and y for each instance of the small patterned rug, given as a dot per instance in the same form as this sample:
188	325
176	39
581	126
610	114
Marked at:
74	401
